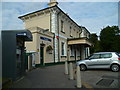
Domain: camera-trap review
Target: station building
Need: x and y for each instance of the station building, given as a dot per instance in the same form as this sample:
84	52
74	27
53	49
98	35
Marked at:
56	37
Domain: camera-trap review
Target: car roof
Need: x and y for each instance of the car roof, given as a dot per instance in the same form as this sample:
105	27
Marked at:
103	52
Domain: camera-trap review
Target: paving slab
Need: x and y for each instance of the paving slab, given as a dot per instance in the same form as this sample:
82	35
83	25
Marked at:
54	77
46	77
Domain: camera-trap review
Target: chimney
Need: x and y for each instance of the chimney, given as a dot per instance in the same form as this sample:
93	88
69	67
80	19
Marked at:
52	3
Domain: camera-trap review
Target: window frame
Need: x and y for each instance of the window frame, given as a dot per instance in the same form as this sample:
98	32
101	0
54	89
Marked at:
62	49
62	26
71	32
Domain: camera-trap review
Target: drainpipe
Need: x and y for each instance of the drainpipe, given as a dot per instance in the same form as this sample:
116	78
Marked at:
54	46
58	36
50	22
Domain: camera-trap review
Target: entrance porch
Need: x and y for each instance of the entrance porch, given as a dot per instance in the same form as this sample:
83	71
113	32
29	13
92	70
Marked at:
78	49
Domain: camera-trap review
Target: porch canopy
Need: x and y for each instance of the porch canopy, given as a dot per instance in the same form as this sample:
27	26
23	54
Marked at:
78	41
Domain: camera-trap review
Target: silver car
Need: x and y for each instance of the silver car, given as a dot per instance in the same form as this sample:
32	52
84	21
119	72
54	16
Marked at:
102	60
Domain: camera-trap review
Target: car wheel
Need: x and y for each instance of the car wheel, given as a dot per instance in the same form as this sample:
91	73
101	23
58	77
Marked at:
83	67
115	68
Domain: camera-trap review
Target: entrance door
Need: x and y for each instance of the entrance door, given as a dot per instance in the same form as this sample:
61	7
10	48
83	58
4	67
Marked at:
42	55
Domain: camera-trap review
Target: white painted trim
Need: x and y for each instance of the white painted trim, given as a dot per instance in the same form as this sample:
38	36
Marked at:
65	49
61	36
36	18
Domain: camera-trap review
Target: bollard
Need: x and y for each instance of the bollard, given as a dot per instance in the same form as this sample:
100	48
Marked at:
71	71
66	67
78	78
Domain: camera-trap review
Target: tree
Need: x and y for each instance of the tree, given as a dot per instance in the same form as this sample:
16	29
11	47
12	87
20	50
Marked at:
110	39
95	43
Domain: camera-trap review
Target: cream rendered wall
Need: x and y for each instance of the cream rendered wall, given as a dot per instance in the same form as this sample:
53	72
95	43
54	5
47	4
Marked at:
37	49
63	36
31	46
35	46
48	57
42	21
63	57
74	29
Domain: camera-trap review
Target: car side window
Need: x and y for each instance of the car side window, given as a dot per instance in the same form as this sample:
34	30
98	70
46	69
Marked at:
107	55
95	56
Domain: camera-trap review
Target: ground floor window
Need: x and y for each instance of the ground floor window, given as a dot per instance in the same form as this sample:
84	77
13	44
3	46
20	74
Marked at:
62	47
72	50
78	51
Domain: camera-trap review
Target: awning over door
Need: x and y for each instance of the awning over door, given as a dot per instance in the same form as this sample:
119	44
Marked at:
25	34
81	41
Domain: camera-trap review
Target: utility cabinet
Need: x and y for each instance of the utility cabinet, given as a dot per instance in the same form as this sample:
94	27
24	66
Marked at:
13	53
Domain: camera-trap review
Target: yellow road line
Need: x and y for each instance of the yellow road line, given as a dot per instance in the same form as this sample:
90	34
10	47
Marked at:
87	86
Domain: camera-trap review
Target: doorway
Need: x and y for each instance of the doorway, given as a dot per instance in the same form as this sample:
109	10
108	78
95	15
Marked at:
41	55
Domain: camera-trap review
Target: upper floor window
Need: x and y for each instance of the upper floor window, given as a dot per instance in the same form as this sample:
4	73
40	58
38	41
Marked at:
62	26
70	31
79	35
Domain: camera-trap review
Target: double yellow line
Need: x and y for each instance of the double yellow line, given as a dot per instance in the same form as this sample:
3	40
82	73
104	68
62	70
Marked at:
86	85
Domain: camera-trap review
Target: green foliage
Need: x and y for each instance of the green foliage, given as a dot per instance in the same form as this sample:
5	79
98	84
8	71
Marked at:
96	45
110	39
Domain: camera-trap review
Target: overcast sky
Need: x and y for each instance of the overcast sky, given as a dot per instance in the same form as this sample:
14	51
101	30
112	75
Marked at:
93	15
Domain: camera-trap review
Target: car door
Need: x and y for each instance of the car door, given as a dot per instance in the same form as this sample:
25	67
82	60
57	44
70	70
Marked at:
92	62
105	60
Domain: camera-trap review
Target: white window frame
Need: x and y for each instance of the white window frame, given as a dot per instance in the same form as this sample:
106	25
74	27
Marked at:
62	26
64	48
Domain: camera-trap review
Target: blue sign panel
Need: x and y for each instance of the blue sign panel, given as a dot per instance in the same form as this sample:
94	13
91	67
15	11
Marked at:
22	34
44	38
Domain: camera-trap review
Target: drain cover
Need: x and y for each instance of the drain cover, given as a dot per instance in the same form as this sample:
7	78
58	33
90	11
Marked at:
105	82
